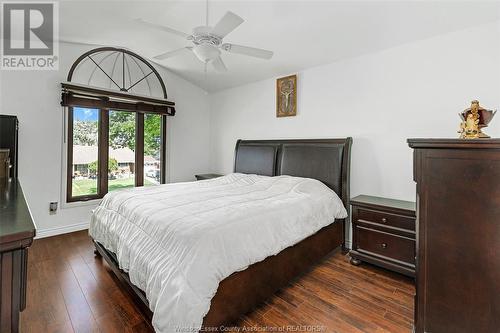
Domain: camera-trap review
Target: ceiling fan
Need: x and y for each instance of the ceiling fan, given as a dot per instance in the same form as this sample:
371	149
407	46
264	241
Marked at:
208	41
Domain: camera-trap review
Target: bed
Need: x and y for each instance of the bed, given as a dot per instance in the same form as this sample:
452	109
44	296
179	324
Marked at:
256	161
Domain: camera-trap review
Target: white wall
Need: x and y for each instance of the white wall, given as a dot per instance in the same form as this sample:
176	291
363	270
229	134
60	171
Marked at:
381	99
34	97
415	90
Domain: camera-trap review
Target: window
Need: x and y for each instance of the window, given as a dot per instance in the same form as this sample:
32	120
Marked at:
110	150
117	109
84	152
121	150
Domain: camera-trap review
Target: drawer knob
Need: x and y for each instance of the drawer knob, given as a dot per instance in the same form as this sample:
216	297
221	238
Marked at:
384	245
384	220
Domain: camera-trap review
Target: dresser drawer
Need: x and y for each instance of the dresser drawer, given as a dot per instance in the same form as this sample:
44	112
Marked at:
385	244
383	218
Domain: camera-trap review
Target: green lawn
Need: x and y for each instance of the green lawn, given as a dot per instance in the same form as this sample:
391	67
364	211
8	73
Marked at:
89	186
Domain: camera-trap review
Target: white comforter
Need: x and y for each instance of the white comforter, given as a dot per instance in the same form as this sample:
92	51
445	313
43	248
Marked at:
178	241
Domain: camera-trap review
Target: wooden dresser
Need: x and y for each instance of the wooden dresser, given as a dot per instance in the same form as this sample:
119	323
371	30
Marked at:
16	235
458	237
383	233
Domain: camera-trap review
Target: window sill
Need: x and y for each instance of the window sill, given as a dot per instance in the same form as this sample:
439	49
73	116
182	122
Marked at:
75	204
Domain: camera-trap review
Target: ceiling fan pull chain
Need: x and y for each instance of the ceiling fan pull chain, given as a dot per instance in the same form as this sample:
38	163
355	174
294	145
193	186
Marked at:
206	14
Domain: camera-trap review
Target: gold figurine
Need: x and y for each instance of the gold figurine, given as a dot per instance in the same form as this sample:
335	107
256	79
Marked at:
473	120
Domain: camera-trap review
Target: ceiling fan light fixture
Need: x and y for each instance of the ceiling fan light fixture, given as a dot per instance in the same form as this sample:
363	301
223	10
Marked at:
206	52
208	43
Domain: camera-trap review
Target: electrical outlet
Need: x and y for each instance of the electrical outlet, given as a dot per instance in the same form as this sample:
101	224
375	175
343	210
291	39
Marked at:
53	207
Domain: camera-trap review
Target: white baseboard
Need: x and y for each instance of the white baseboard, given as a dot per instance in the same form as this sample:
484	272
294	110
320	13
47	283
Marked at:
61	230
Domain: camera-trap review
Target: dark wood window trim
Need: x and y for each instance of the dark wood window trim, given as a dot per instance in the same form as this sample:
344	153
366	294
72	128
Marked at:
139	149
163	150
103	154
91	97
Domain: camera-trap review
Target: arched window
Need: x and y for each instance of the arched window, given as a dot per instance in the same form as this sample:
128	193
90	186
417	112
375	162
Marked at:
117	112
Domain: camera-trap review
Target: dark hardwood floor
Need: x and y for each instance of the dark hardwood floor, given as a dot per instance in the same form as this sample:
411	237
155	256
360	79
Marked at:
69	290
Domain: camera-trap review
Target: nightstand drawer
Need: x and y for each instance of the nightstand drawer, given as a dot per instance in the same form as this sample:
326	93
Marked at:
383	218
385	244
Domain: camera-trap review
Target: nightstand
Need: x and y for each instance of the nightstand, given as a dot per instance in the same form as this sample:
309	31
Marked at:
207	176
384	233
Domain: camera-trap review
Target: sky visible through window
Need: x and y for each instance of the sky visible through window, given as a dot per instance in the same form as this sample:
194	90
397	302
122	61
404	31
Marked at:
84	114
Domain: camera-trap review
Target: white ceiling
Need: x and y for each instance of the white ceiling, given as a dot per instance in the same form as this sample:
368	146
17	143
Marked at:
302	34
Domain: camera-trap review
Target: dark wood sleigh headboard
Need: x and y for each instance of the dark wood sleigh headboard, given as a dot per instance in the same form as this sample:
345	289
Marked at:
327	160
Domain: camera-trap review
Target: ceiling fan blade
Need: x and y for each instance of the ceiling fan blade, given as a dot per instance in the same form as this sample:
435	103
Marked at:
163	28
227	23
249	51
173	53
219	65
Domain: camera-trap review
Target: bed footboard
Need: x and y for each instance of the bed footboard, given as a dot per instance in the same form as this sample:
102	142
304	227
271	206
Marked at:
242	291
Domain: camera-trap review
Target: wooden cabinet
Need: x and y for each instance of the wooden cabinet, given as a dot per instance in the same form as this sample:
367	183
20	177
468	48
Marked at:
458	237
384	233
16	235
